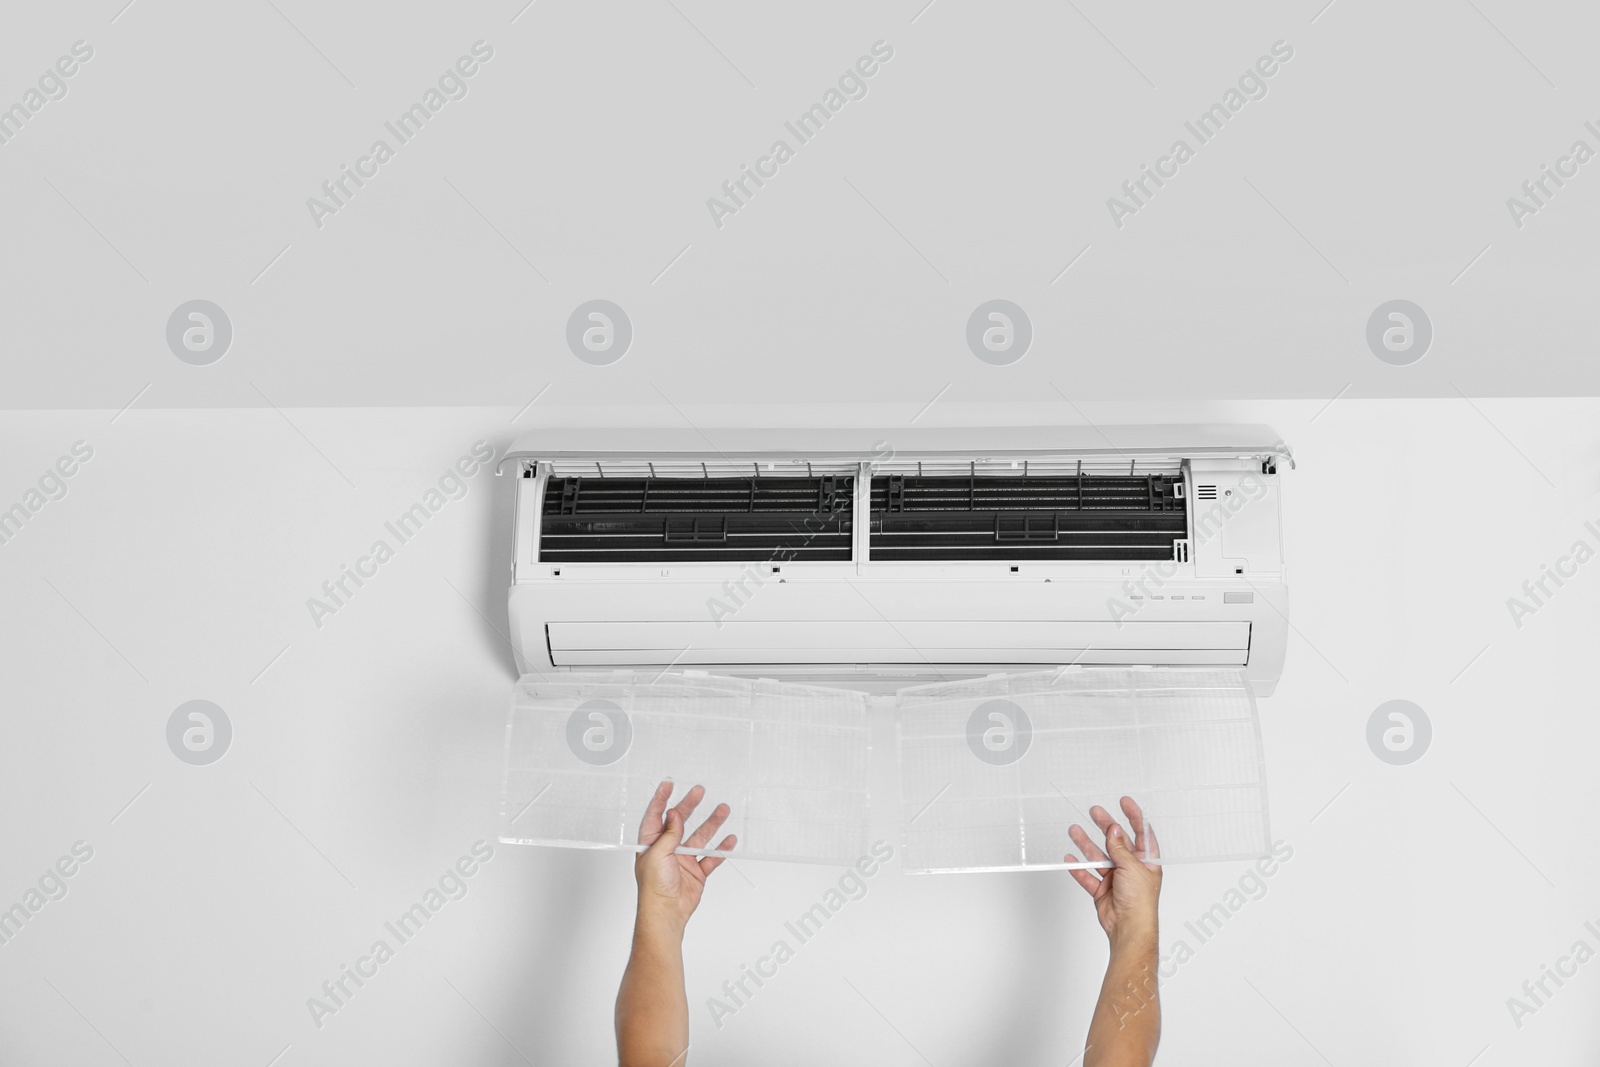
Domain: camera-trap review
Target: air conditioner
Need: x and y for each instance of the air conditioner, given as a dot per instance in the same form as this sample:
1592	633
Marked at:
877	559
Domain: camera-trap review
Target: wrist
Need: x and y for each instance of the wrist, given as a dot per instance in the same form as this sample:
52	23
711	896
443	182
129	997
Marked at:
657	916
1134	936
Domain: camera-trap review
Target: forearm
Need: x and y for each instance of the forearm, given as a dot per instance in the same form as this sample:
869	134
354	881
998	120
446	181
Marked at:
1127	1018
652	1008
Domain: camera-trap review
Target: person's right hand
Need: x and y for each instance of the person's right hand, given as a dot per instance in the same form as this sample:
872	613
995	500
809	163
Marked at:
670	883
1125	896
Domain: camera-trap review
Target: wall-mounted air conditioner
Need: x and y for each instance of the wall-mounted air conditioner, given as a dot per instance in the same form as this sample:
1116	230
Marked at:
882	558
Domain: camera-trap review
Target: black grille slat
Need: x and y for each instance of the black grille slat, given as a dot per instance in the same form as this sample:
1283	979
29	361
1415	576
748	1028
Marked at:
932	518
1070	517
619	520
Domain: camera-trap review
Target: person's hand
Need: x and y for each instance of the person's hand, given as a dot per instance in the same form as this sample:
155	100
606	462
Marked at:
1124	896
669	883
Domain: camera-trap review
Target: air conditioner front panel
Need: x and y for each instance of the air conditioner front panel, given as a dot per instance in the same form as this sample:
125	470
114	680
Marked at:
854	641
898	656
877	596
868	621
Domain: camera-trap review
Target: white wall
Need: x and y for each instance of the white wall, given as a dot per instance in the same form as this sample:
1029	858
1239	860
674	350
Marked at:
365	760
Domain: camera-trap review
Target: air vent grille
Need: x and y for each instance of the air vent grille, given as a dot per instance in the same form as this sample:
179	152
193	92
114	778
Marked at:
1044	466
1069	517
1206	492
625	520
711	468
782	466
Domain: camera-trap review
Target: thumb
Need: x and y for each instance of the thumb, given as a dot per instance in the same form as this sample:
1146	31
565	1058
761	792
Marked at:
671	834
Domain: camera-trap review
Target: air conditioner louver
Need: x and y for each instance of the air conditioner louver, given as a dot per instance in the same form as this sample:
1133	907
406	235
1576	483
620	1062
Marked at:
642	520
1070	517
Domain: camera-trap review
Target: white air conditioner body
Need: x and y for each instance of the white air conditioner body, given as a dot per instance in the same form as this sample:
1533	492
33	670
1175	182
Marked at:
877	559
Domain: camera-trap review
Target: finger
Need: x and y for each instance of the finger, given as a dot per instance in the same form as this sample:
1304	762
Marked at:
651	825
1080	837
1136	822
1109	826
1145	845
671	834
1102	819
1088	879
691	799
719	815
711	863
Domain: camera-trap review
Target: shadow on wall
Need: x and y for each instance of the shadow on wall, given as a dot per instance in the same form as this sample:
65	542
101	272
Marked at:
492	583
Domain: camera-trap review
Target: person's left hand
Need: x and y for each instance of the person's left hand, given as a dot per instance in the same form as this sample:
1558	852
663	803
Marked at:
667	881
